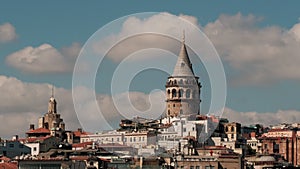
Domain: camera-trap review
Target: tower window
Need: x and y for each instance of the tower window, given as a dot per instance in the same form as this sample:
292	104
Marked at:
173	105
180	92
188	93
174	93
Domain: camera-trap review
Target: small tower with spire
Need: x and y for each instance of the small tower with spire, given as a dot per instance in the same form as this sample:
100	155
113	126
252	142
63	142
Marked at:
52	103
52	120
183	88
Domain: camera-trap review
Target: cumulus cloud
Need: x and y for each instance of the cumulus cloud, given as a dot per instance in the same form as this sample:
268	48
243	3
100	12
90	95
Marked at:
44	59
23	103
162	23
259	53
29	101
266	118
256	54
7	33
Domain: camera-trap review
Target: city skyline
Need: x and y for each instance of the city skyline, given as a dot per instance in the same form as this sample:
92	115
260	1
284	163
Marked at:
259	49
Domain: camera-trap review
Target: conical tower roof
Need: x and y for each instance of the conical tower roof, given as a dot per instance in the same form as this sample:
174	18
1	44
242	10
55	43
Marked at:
183	66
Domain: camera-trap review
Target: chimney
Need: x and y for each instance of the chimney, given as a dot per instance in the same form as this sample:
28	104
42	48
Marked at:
252	134
80	130
15	138
31	127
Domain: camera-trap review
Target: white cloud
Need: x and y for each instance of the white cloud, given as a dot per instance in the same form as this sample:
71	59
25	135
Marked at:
23	103
7	33
163	23
266	118
44	59
259	53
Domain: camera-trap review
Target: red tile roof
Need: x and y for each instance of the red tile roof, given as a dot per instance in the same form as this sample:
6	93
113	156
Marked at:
9	165
5	159
34	139
79	133
39	130
82	158
85	144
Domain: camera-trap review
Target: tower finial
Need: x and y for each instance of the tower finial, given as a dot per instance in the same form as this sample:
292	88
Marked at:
52	92
183	36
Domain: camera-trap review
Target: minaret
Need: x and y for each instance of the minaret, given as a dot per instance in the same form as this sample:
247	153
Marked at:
52	103
183	88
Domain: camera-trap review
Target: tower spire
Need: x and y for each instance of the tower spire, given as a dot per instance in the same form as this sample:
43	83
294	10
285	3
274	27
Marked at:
52	102
183	66
52	92
183	36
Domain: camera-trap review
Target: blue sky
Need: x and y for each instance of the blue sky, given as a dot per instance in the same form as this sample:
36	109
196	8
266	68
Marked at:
63	23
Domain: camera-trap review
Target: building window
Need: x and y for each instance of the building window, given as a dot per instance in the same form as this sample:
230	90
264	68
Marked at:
181	111
232	129
34	148
209	167
232	136
180	93
192	167
174	105
174	94
275	147
188	93
21	146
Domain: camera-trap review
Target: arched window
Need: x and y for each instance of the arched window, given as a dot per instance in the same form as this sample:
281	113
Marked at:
174	93
232	129
169	92
181	81
175	81
180	93
169	112
188	93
